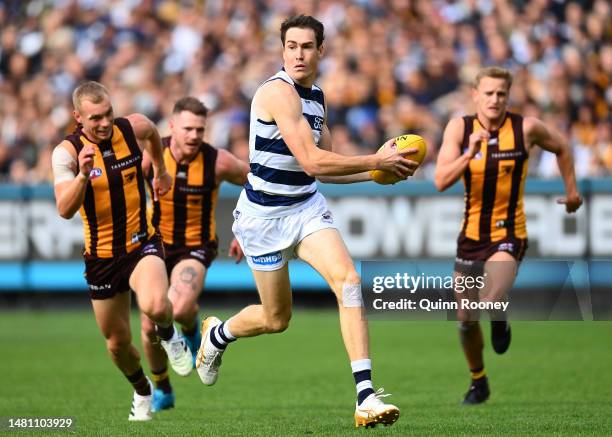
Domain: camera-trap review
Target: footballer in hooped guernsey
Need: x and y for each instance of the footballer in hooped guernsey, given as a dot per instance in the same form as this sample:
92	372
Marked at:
281	215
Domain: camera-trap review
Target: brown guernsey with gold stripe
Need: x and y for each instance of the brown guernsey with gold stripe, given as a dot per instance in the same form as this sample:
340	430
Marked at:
494	183
114	211
185	215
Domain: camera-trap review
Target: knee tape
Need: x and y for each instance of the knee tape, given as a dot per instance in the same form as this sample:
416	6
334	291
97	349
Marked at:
351	296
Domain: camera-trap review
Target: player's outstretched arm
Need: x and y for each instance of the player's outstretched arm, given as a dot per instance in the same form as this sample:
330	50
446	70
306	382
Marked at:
70	178
231	169
149	139
278	101
537	133
452	163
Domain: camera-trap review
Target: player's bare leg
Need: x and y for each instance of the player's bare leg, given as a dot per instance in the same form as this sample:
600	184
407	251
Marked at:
271	316
470	336
113	318
186	282
325	251
500	271
150	283
163	396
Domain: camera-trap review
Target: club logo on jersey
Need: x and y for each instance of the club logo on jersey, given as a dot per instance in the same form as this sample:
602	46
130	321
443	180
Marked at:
268	259
95	172
236	214
327	217
136	237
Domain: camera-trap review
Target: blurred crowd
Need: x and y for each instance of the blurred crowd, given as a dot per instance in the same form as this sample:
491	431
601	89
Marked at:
391	67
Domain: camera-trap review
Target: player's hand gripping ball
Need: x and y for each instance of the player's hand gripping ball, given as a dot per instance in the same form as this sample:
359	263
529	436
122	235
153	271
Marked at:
402	142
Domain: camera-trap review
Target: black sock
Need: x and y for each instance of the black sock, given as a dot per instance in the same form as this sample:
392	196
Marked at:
162	380
165	333
140	383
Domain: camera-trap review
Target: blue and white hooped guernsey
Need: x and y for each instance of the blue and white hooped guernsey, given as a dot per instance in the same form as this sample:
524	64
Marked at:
277	184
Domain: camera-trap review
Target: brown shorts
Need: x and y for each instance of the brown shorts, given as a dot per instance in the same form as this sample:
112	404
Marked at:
205	254
107	277
472	254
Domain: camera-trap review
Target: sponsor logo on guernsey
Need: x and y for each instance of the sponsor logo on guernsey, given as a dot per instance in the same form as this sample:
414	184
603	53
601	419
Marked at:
99	287
505	247
507	154
200	254
95	172
107	153
267	259
149	248
136	237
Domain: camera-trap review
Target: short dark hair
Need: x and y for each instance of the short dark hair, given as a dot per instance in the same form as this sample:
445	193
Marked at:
304	22
190	104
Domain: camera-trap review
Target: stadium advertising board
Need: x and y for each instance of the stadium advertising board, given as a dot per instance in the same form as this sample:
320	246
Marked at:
376	222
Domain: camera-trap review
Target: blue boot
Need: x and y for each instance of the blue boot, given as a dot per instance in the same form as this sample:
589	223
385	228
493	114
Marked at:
193	342
162	401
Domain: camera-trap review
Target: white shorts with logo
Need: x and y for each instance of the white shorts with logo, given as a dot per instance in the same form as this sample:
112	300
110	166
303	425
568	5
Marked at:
269	243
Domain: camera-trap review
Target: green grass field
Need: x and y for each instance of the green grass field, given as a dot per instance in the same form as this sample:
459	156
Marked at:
556	379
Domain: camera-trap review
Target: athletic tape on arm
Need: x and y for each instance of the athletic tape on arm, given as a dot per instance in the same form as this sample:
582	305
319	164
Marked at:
64	165
351	296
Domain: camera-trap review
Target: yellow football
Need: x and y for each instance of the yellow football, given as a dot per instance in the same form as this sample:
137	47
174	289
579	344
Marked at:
402	142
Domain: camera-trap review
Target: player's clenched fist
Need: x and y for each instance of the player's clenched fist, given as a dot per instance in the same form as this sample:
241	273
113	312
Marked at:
86	157
162	182
475	141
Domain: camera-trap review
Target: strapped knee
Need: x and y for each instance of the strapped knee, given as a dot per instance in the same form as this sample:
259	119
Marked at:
351	296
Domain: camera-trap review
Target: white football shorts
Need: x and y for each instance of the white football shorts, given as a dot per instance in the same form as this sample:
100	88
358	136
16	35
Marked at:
269	243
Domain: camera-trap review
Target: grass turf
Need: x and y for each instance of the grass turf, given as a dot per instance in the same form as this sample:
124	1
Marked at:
555	379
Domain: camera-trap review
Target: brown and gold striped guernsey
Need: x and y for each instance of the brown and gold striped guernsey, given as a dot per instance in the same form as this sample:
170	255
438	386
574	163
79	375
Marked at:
185	215
494	182
114	210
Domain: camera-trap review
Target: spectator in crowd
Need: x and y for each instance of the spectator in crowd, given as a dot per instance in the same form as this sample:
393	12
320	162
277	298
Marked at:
392	67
